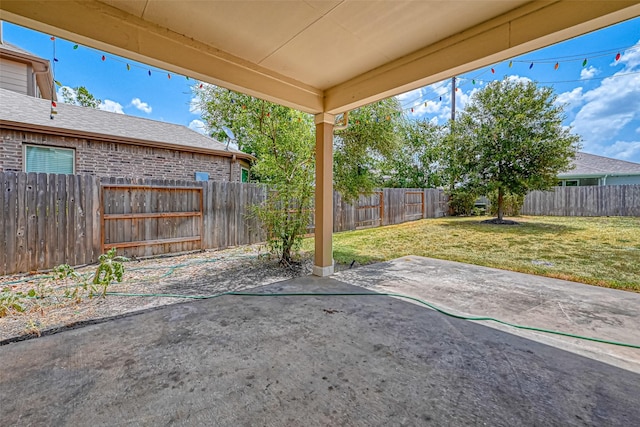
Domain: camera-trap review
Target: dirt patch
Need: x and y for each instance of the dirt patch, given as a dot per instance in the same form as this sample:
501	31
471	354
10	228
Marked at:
497	221
202	273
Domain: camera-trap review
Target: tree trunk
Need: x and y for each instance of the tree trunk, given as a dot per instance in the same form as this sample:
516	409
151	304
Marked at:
285	261
500	200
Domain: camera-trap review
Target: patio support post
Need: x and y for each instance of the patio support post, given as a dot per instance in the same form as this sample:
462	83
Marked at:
323	258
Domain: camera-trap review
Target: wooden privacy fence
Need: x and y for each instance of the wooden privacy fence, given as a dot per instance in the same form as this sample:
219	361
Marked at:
47	219
388	206
144	220
609	200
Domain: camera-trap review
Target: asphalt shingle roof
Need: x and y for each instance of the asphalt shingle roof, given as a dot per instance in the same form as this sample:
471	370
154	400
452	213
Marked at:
591	164
14	48
35	112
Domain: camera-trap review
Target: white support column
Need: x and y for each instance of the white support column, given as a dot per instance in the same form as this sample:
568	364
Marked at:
323	259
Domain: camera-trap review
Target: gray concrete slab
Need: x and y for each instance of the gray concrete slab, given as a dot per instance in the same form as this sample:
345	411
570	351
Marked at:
305	361
517	298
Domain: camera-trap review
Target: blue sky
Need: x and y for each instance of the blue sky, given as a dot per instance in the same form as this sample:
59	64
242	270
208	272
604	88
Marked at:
602	98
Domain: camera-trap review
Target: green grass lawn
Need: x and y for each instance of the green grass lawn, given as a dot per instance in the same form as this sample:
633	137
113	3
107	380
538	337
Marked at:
600	251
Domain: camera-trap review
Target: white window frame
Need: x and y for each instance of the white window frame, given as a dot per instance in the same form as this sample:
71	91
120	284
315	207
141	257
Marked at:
24	155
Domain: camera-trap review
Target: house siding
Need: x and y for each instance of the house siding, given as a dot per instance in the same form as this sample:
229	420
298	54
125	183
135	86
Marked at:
623	180
121	160
14	76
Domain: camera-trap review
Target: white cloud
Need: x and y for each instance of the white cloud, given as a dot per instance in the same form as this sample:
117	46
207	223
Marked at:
518	79
610	107
571	99
198	126
630	58
624	150
194	106
69	90
589	73
112	106
411	96
462	98
142	106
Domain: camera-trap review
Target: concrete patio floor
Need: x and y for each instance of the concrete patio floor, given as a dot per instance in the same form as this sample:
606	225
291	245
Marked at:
333	360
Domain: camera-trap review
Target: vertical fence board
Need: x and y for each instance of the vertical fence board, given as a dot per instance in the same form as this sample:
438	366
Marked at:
81	222
41	222
10	212
31	231
22	260
5	218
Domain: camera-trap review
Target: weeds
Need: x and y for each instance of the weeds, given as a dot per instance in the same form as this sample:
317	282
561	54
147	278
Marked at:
110	268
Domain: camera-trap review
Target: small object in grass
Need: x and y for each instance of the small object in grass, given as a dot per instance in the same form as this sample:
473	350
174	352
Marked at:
545	263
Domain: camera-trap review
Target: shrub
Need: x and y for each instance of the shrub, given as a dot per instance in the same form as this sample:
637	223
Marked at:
511	204
461	202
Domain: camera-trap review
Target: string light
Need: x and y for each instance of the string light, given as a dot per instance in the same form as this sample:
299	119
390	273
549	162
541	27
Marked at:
411	104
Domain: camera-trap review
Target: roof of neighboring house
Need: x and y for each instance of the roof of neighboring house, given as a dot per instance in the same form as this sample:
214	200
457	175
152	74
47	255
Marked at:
591	165
44	77
27	113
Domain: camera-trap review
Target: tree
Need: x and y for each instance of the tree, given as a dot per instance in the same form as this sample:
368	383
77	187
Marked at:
416	162
79	96
361	149
283	141
514	140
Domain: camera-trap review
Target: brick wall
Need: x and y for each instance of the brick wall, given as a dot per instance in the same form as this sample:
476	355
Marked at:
119	160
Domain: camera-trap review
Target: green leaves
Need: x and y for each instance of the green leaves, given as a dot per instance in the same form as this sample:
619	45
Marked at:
511	139
283	140
362	150
80	96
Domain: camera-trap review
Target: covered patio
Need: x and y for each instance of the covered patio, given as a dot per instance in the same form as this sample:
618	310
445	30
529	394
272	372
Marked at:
334	359
321	57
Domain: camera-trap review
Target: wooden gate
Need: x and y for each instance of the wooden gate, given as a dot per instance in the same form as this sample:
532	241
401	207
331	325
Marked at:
370	210
413	205
144	220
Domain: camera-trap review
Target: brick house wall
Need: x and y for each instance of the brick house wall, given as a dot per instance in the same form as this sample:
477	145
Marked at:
120	160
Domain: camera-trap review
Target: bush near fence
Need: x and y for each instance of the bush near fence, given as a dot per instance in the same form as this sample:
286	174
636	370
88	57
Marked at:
49	219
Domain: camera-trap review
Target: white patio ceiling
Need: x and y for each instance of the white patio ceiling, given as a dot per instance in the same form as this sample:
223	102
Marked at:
318	56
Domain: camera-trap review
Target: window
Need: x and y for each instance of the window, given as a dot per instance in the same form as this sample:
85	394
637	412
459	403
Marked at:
245	175
49	159
573	183
588	181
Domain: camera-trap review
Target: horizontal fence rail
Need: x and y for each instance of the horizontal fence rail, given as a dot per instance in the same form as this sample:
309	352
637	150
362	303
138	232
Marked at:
48	219
607	200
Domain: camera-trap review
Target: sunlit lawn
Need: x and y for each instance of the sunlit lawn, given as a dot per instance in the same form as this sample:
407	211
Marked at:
599	251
